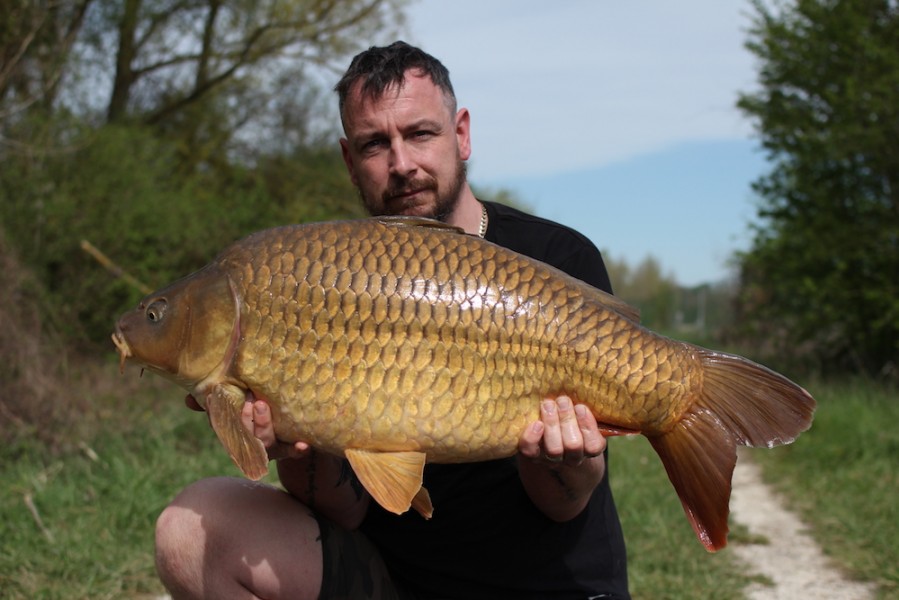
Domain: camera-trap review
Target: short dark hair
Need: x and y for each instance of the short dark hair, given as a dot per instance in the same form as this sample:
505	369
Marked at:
380	67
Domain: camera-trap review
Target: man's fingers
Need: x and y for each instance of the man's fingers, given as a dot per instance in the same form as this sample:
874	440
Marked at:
594	442
256	418
570	431
568	424
529	444
553	445
565	433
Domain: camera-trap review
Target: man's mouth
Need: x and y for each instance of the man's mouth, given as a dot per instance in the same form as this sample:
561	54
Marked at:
400	194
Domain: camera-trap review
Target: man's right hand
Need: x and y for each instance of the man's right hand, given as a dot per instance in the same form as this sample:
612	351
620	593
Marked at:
257	419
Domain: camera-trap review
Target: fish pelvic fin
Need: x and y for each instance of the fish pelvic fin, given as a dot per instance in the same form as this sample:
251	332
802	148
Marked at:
224	404
739	403
393	479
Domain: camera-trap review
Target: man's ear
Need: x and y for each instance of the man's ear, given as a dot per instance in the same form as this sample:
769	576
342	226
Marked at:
348	160
463	133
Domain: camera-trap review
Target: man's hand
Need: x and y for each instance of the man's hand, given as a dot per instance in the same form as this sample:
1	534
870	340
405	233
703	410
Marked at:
257	419
561	458
565	434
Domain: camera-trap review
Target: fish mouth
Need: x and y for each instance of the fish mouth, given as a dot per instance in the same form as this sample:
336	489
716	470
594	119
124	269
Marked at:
118	338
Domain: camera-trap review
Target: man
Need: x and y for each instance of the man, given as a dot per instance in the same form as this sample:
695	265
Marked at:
539	525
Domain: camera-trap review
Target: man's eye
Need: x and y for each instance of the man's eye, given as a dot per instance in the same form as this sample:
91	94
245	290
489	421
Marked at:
372	145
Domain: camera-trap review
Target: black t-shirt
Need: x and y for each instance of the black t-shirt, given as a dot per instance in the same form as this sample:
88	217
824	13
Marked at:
486	540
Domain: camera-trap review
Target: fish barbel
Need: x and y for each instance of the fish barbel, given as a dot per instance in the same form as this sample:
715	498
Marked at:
398	341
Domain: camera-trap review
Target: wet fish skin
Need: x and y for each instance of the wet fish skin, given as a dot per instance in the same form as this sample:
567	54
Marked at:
399	341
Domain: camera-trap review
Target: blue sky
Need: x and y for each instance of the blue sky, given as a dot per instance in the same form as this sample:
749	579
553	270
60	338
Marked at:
616	118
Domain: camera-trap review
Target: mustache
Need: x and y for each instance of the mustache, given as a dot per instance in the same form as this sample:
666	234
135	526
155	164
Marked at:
409	186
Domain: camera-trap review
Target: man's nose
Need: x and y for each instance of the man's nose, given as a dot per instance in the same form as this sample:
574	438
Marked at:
401	160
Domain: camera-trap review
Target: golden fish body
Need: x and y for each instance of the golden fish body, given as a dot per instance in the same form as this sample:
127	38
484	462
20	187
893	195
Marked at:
397	341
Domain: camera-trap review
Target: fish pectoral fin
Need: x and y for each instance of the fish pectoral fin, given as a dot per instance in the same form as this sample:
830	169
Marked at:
393	479
224	404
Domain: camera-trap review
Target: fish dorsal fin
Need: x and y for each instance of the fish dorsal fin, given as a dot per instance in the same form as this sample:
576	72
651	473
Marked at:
393	479
224	404
406	221
620	306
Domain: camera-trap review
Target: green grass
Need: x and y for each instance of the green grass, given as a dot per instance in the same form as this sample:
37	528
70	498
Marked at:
665	559
99	500
88	532
842	476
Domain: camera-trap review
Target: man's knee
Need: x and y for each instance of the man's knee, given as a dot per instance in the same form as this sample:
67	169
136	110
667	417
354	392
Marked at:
182	532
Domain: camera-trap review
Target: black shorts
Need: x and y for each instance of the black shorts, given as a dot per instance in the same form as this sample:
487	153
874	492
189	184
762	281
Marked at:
352	568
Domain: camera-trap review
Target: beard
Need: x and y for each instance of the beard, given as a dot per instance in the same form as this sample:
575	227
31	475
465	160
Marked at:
435	203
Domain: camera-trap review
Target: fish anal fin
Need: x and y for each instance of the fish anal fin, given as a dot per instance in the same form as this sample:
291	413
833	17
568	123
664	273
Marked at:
699	457
392	478
613	431
224	404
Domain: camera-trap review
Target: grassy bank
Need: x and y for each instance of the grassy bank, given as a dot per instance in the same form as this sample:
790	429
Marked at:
79	523
665	559
842	476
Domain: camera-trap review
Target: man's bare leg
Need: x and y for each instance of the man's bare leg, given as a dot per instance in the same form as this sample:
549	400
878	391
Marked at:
233	538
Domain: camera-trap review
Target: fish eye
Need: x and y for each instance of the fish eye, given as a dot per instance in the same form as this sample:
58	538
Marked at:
156	310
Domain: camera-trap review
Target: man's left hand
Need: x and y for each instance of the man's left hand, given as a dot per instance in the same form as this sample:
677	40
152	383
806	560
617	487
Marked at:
566	434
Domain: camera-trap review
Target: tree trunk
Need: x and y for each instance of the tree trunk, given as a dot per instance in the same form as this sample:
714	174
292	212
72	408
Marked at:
124	74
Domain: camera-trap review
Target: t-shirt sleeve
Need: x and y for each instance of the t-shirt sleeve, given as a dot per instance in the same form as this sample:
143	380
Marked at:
586	264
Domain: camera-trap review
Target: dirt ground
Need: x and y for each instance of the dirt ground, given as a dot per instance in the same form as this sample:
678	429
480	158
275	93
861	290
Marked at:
790	558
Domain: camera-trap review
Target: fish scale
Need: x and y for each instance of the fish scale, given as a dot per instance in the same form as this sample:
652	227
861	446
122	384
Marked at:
397	341
411	354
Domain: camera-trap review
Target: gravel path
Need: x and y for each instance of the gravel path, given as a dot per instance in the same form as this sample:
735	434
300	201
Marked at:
790	558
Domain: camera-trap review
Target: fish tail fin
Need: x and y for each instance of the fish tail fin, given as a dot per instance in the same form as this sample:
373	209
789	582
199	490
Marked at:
740	402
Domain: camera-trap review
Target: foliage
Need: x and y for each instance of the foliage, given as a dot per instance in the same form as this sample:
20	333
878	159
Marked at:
121	192
819	283
211	129
700	314
33	368
210	72
36	39
647	288
842	476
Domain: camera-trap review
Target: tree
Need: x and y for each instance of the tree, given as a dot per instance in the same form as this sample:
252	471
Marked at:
820	278
207	68
36	40
209	131
647	288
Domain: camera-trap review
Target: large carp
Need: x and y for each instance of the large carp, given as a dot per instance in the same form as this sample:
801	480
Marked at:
397	341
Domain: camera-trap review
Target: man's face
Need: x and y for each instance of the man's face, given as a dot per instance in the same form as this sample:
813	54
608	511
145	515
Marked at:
405	151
